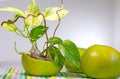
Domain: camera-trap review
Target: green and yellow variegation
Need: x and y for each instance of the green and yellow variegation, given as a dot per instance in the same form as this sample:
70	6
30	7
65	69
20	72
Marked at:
51	13
10	27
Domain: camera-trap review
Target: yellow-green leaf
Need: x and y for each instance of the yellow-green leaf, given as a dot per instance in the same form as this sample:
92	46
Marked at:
32	8
10	27
51	13
33	20
14	10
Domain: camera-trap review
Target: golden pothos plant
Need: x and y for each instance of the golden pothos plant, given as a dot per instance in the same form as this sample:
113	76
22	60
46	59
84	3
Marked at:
35	26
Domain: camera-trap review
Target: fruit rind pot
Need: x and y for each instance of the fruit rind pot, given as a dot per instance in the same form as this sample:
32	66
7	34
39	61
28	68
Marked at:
38	67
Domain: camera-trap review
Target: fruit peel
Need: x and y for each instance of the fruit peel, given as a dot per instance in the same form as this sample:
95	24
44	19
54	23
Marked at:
101	61
39	67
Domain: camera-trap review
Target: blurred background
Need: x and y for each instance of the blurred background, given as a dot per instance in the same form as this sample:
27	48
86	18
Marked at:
89	22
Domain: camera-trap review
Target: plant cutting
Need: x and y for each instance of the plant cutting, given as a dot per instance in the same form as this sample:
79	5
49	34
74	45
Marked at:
50	59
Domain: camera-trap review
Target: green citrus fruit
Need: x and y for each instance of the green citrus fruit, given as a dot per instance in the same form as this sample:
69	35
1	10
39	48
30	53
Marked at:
81	51
101	61
38	67
72	68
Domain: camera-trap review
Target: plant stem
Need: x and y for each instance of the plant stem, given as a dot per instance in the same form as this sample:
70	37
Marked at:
45	34
59	20
45	30
44	23
21	33
12	22
62	3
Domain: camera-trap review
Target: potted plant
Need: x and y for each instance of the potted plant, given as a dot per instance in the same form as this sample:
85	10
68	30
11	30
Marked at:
49	60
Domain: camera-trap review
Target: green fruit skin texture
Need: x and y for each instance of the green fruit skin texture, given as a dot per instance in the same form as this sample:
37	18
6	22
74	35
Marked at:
101	61
37	67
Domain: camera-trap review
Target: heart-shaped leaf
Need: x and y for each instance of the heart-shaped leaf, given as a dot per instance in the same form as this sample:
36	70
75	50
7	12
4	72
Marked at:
71	52
37	32
34	20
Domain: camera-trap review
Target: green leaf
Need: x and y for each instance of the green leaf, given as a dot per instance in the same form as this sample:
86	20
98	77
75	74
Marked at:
56	55
51	13
9	27
71	52
37	32
14	10
54	40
